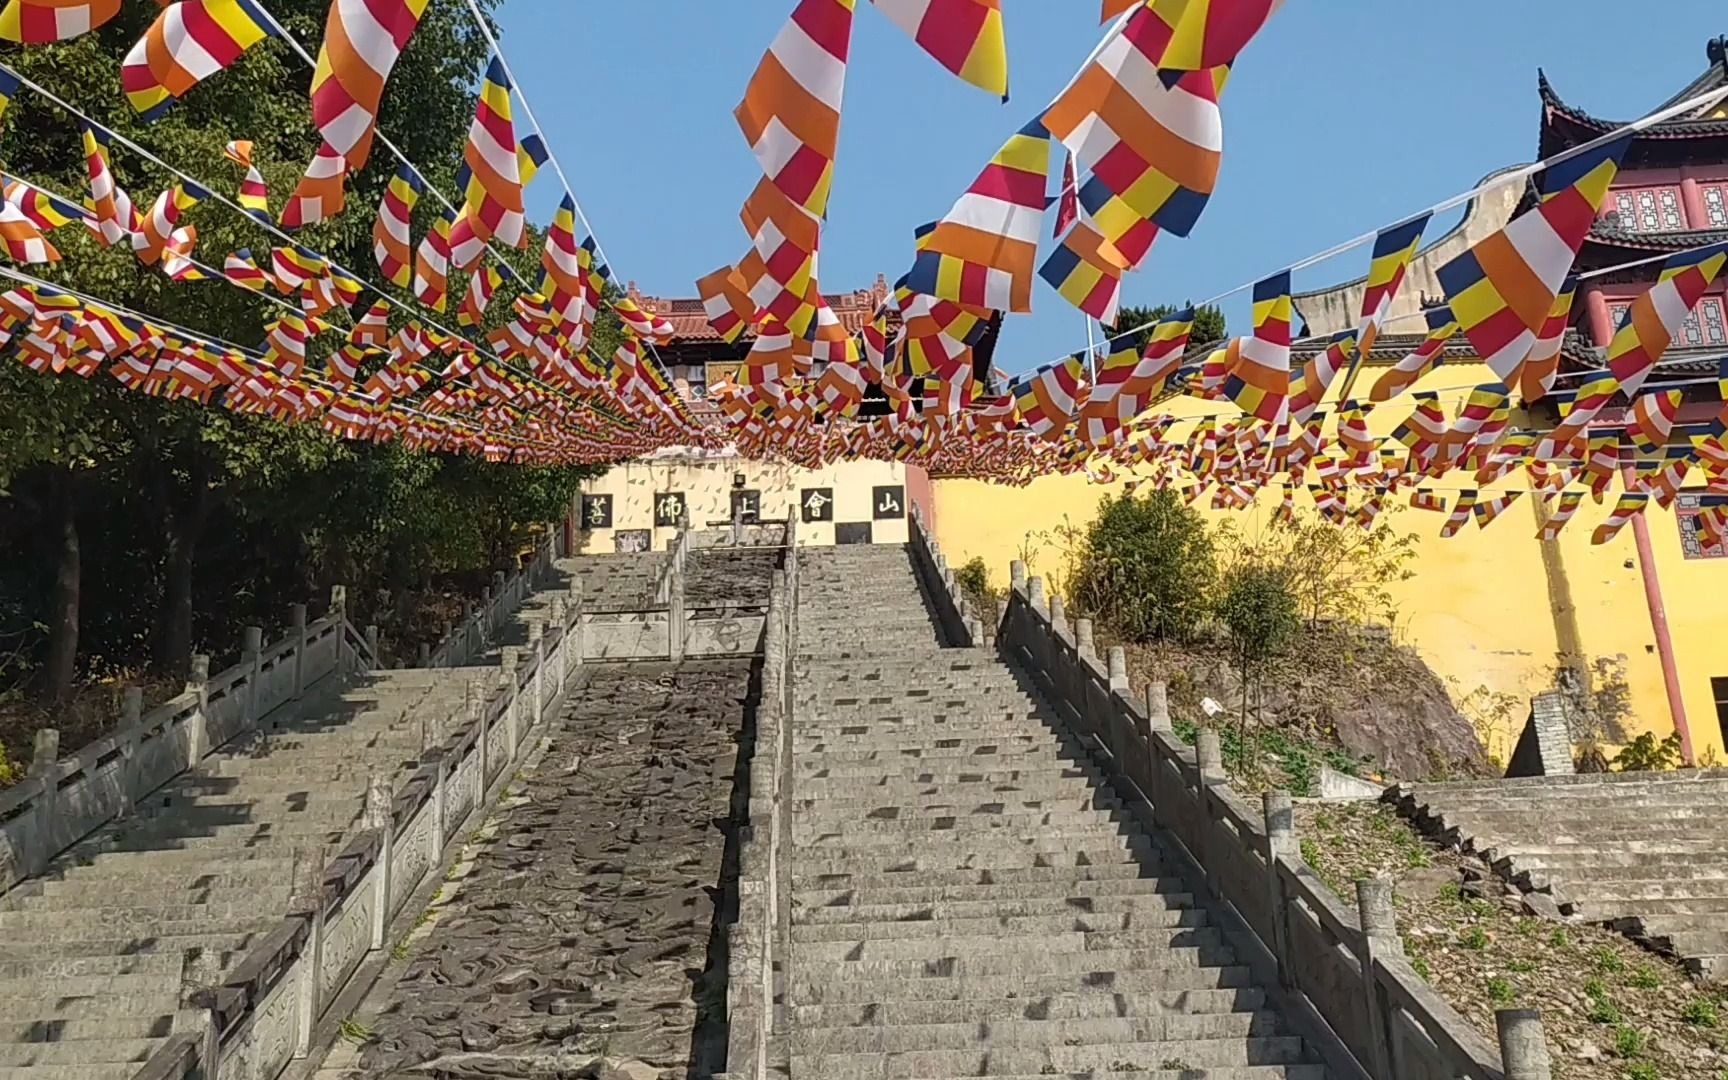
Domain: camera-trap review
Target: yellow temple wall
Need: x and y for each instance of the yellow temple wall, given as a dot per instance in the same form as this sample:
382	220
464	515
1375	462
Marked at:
1478	609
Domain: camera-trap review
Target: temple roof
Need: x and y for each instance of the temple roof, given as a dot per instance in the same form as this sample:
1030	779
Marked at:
1566	125
690	322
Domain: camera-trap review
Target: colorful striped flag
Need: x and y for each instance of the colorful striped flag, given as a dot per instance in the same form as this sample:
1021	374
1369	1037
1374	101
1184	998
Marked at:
1393	250
1067	199
22	240
292	266
964	36
392	238
189	42
115	219
983	253
1652	419
432	264
38	22
1503	288
1423	499
790	114
254	195
158	225
725	303
1086	270
1650	324
1259	379
481	285
1318	374
49	212
1543	365
1631	504
1487	510
321	193
1555	520
492	199
9	87
1148	146
1047	400
1461	510
362	41
243	270
1206	33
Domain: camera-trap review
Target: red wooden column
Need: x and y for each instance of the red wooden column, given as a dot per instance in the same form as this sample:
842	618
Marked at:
1659	624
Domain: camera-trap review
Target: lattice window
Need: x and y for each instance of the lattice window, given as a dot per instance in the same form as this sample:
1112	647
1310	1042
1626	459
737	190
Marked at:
1654	209
1617	314
1715	205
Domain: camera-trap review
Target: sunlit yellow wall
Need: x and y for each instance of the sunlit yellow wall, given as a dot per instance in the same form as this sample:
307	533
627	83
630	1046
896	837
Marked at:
1478	609
707	486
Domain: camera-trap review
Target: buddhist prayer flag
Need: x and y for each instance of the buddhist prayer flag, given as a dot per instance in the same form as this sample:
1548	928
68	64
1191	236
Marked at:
1486	510
114	216
22	240
1503	289
38	22
362	41
244	271
391	236
189	41
1461	511
9	86
156	226
1259	379
1206	33
254	195
1393	250
1067	199
49	212
432	264
1631	504
983	253
790	114
1086	270
1048	399
492	206
1652	420
1556	518
1319	372
1543	365
1147	147
1423	499
320	195
964	36
481	285
1656	315
725	303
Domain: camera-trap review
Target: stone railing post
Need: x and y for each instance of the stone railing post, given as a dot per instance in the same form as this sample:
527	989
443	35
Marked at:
379	817
556	606
1035	595
507	679
297	630
1379	921
1281	843
495	612
1523	1049
423	655
198	728
1058	615
537	643
475	710
131	713
251	648
675	614
308	894
1083	640
1158	706
439	806
578	630
1016	574
1118	669
372	646
45	753
1209	756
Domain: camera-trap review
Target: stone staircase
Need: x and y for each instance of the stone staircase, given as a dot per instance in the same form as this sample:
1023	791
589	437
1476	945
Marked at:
616	582
1640	851
100	955
969	897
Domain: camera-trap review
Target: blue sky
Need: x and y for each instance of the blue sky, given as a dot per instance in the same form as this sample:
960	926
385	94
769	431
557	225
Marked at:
1342	116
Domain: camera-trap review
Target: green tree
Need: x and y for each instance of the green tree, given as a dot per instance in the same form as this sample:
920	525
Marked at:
1146	567
1259	610
1209	324
1336	575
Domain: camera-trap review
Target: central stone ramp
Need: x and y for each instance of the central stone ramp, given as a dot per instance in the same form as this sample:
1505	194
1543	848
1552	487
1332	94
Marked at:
578	923
969	896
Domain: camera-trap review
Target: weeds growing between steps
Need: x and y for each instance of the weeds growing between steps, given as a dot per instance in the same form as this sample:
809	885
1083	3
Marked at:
1611	1010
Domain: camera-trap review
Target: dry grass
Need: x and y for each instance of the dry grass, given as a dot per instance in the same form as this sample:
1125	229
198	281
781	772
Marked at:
1612	1010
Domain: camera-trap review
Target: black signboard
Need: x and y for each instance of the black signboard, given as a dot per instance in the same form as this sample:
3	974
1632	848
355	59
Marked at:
888	503
852	532
668	509
816	504
596	511
748	503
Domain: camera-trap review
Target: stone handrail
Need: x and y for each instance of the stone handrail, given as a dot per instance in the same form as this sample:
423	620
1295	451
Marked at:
61	802
263	1015
463	642
758	942
1341	966
961	625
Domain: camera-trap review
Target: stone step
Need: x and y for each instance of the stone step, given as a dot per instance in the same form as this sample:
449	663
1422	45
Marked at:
33	1006
25	951
1182	1056
973	835
1673	872
117	1071
73	895
1657	887
943	753
42	927
952	774
171	864
909	826
1153	1072
1016	963
872	807
78	986
864	738
1713	908
967	858
50	1029
1020	1034
979	946
932	885
1099	1004
217	846
910	914
1565	864
984	926
1025	988
843	793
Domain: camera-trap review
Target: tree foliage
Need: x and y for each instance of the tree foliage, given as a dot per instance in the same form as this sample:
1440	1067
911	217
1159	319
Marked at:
1209	323
135	529
1146	567
1342	575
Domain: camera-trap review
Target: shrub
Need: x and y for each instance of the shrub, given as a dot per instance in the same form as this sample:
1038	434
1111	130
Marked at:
1628	1041
1260	611
1474	938
1501	991
1146	568
1700	1012
1645	754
